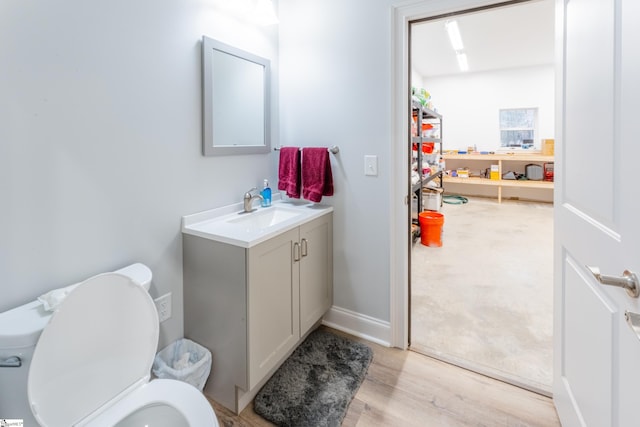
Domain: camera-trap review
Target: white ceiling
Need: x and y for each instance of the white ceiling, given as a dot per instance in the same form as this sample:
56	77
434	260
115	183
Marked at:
515	36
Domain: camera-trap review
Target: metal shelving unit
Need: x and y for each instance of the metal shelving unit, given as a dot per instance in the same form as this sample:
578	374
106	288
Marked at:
425	115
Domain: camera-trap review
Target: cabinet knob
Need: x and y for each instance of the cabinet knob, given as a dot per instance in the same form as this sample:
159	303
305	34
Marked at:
303	245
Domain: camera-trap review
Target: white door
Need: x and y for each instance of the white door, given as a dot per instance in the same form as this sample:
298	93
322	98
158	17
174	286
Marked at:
597	355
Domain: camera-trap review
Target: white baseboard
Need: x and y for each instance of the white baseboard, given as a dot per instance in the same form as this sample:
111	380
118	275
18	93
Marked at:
359	325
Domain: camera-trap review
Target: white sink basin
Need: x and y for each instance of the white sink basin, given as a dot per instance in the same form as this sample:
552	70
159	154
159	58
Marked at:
263	218
230	225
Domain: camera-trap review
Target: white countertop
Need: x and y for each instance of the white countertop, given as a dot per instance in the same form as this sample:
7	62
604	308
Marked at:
229	224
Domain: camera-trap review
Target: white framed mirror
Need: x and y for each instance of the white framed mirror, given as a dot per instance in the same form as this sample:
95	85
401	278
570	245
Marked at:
236	100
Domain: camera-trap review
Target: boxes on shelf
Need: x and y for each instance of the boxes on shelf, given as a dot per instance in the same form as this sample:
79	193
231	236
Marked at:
547	147
462	173
495	172
548	171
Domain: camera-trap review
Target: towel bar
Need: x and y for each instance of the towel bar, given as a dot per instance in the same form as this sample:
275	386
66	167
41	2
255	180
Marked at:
334	149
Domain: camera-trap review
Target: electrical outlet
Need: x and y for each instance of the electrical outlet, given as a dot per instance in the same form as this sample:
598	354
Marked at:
163	305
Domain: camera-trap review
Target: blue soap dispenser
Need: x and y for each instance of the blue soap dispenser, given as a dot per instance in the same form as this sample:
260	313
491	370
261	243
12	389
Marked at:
266	195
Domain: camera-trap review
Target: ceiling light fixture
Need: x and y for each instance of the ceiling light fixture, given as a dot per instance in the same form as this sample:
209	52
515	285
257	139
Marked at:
265	14
462	61
456	43
454	35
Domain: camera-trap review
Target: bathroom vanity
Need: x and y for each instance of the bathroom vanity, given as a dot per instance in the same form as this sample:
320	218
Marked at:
254	285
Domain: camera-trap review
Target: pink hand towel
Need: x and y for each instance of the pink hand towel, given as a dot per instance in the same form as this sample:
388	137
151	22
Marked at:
317	180
289	171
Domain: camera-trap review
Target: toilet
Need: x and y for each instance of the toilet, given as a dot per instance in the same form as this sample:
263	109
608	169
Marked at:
89	362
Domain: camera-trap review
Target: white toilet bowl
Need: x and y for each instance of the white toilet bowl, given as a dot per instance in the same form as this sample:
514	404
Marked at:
91	365
148	405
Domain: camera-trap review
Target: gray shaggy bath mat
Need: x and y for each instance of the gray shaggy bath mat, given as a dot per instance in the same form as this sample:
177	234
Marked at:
315	385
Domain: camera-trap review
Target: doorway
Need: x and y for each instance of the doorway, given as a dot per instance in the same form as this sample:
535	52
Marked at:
483	301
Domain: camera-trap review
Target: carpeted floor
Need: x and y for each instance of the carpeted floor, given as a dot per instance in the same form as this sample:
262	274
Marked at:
315	385
485	298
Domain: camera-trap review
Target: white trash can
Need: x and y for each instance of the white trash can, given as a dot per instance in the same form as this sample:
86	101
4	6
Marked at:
184	360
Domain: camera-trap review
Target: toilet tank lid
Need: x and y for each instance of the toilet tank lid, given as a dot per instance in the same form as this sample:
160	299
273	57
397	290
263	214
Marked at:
139	273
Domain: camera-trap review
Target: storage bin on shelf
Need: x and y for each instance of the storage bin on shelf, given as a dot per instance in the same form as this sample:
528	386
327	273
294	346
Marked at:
431	198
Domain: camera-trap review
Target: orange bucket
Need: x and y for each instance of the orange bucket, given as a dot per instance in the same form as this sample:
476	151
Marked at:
431	228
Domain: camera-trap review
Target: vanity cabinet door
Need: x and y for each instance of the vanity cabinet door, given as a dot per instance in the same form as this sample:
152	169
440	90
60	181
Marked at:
316	270
273	303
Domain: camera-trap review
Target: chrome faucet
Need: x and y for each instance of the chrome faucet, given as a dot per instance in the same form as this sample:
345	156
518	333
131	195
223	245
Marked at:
249	198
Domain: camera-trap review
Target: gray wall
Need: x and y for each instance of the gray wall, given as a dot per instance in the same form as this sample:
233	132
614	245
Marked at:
335	88
100	139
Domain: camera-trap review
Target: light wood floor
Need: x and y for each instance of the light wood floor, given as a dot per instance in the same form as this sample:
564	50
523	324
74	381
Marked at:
404	388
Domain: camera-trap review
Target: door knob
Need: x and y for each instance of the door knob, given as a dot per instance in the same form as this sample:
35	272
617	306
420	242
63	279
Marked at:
628	281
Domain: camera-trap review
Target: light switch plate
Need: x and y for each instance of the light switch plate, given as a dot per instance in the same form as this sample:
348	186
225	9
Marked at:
371	165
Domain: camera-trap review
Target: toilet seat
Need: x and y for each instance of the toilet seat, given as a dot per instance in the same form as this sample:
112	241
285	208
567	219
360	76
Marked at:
186	399
96	354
